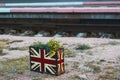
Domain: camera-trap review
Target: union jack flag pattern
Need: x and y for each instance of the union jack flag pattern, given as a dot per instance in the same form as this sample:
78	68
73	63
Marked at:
44	62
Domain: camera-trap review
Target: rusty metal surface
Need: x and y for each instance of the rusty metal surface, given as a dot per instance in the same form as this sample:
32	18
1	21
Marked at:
87	25
60	21
61	16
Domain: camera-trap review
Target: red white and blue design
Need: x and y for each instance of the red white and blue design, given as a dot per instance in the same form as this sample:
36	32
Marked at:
44	62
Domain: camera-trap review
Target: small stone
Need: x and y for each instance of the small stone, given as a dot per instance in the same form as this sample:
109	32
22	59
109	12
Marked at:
118	77
82	67
13	70
81	77
109	71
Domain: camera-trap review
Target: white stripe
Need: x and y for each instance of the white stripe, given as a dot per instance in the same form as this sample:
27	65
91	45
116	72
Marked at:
35	63
46	66
2	10
49	58
45	4
36	52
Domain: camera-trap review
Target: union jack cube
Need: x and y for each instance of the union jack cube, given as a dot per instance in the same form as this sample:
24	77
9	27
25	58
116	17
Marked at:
42	61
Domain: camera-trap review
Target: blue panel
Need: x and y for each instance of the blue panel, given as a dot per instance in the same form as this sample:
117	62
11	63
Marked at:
32	1
3	10
46	4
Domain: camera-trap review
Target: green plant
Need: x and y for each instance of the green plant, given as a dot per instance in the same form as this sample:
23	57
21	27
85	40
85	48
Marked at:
118	77
82	47
15	41
66	64
14	65
19	48
37	79
2	45
2	53
74	77
96	69
89	52
69	53
51	46
39	44
4	40
114	43
75	65
102	60
111	43
14	48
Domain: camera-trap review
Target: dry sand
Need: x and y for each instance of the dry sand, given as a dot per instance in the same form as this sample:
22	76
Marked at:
100	50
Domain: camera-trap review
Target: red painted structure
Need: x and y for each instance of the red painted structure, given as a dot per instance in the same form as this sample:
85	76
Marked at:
62	10
67	10
103	3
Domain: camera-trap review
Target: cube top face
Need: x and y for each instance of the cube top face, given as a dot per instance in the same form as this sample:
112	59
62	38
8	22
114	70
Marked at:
43	61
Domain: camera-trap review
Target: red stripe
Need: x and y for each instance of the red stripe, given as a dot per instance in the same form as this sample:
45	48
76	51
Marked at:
66	10
33	52
60	61
44	60
103	3
2	5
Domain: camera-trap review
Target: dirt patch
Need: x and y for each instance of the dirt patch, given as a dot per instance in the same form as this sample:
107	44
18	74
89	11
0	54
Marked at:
97	59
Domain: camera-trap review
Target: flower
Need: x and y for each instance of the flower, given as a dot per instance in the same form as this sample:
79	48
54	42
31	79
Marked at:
54	45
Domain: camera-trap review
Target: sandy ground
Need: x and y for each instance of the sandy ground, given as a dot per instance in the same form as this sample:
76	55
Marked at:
75	69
